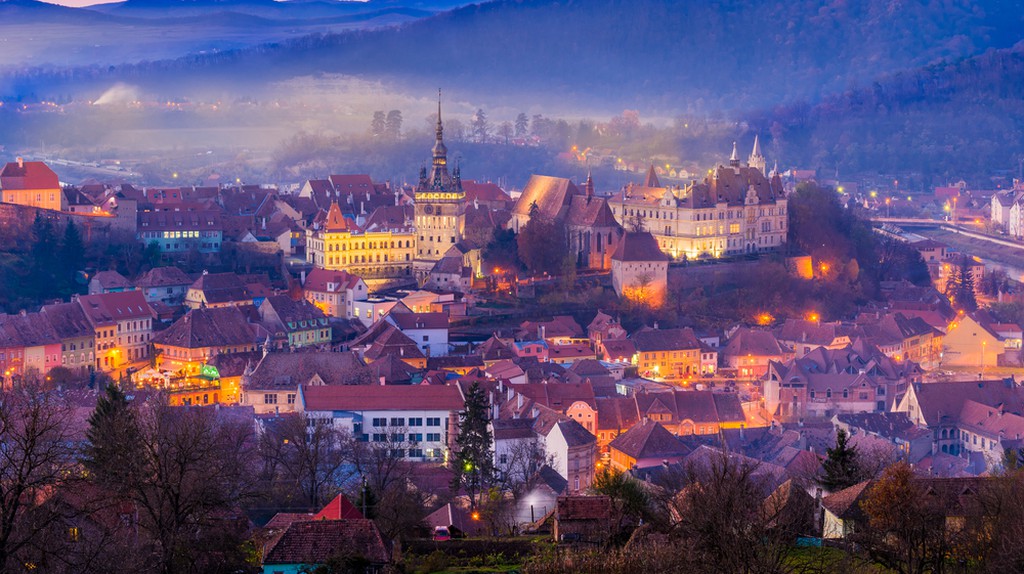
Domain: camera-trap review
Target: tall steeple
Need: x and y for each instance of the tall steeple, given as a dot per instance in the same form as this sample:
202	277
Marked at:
440	179
652	178
756	160
734	159
589	187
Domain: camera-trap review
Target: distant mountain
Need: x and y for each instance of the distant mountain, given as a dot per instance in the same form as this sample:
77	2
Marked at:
942	122
669	56
290	9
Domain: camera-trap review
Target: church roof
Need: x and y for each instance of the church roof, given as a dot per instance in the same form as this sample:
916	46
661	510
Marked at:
652	178
551	194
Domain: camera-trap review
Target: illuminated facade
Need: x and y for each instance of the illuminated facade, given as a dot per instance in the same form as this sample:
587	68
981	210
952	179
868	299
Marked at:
440	209
339	244
123	327
31	183
735	209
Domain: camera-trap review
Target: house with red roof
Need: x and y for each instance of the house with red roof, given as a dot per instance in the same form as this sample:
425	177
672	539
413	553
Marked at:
640	269
123	327
31	183
749	351
969	342
334	292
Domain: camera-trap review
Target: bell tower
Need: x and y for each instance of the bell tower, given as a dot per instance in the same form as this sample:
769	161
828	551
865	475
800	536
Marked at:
440	207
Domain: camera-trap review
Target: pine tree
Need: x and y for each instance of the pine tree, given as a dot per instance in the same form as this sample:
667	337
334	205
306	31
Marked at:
481	129
841	467
72	252
522	125
378	125
43	263
473	463
393	125
112	436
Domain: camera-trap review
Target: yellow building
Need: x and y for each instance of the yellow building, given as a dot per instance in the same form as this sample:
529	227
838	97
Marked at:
672	354
968	343
374	252
31	183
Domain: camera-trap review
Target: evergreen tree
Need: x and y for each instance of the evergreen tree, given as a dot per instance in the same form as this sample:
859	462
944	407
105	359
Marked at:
473	463
960	286
393	125
43	263
378	124
522	125
481	129
112	437
841	467
72	252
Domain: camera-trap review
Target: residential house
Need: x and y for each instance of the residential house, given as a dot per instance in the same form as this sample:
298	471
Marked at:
28	341
804	336
450	273
167	285
305	545
31	183
109	282
417	422
749	351
584	519
271	385
672	354
646	444
571	353
559	330
218	290
181	227
385	339
911	441
428	330
193	340
77	337
615	415
122	324
603	327
969	343
692	412
334	292
825	382
294	324
902	338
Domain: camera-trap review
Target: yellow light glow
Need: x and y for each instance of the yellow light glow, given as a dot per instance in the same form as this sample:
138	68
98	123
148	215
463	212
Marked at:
813	317
874	194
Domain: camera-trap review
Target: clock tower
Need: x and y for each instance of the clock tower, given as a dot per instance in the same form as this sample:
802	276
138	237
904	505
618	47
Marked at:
440	207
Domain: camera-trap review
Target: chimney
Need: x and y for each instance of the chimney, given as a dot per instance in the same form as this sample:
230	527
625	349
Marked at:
21	162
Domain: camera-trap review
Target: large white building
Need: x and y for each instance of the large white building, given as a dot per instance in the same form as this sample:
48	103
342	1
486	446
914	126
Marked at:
735	209
417	422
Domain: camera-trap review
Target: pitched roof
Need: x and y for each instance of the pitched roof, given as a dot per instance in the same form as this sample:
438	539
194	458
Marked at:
484	191
68	320
112	280
221	287
649	340
583	508
289	370
638	246
574	433
28	175
616	413
316	541
648	439
108	308
407	321
26	331
746	341
339	508
163	277
208	327
552	195
327	281
393	342
382	398
939	399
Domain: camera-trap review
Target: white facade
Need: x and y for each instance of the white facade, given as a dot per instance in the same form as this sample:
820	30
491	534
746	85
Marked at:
422	435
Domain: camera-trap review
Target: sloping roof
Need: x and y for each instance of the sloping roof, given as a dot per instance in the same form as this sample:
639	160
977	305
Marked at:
339	508
392	217
746	341
619	348
163	277
648	439
316	541
28	175
484	191
574	433
939	399
327	281
68	320
382	398
392	370
407	321
638	246
590	212
584	508
221	287
393	342
26	331
108	308
112	280
616	413
208	327
289	370
552	195
649	340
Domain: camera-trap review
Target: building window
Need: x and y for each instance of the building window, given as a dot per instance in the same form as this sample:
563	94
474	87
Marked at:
291	398
270	399
398	422
433	437
433	421
380	422
415	422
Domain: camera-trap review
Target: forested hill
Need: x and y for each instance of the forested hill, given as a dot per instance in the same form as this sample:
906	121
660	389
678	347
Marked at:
667	56
945	122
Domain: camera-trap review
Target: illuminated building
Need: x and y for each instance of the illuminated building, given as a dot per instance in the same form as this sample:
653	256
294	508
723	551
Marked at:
672	354
640	270
440	214
181	227
379	251
590	226
31	183
733	210
123	326
193	340
272	384
293	324
77	341
334	292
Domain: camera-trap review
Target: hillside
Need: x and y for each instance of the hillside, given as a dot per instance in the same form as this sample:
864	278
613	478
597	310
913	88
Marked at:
735	54
947	121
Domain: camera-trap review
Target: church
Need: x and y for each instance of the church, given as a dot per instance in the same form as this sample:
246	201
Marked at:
736	209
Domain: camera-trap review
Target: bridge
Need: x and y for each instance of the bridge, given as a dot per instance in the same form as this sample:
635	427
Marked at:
947	226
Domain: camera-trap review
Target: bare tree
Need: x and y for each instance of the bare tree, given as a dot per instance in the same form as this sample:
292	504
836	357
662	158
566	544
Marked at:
36	457
384	464
306	456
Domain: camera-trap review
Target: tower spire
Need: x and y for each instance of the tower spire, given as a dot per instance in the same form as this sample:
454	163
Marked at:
440	127
734	159
589	188
756	160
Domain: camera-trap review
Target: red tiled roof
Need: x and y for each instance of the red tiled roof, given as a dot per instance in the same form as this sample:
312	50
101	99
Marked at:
323	280
316	541
406	321
648	439
208	327
30	175
649	340
382	398
339	508
638	246
108	308
163	277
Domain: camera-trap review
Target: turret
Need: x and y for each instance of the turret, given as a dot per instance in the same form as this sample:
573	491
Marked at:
734	159
756	160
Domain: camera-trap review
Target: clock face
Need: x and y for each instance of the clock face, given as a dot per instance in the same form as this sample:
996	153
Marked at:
429	209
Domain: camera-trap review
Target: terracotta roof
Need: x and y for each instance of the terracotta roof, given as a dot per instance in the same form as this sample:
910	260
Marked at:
746	341
939	399
574	433
590	212
652	178
382	398
208	327
112	280
558	396
484	191
289	370
327	281
493	350
29	175
407	321
221	287
335	221
648	439
616	413
68	320
317	541
390	217
638	246
559	326
26	331
291	315
108	308
392	341
570	351
618	349
339	508
392	370
163	277
649	340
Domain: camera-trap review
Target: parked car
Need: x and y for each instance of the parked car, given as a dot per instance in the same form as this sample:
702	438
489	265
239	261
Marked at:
441	534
